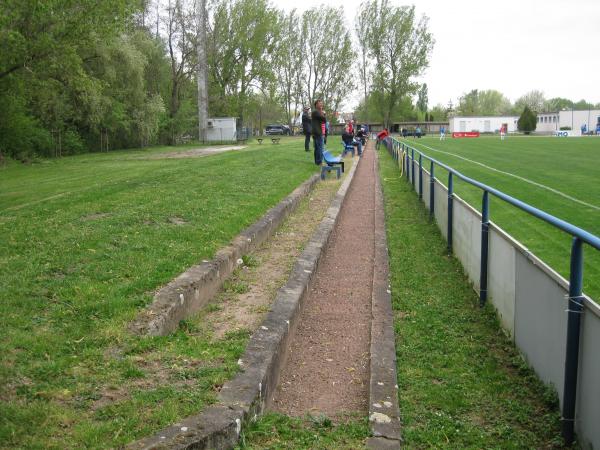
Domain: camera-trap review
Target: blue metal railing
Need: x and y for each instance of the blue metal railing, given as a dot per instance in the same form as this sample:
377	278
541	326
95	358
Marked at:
399	150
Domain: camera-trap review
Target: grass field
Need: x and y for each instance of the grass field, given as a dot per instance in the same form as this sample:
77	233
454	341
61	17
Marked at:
569	166
84	242
462	383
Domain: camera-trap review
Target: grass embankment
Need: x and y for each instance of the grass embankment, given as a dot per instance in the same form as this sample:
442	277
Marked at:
461	382
570	166
85	242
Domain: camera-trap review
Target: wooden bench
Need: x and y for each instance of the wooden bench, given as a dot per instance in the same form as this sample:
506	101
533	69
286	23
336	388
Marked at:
331	160
275	140
259	140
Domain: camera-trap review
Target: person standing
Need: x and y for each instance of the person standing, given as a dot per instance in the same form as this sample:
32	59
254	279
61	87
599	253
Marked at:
381	136
502	132
318	121
306	127
442	133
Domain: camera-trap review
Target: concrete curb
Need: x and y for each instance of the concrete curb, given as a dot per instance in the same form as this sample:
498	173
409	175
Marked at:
246	396
194	288
384	411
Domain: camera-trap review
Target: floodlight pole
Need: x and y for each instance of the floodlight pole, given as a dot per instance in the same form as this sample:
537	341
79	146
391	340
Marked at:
202	71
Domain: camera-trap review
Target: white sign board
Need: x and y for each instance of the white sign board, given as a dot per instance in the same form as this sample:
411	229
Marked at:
564	133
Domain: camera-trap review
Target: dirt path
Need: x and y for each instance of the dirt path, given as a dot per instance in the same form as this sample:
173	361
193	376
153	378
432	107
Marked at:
195	152
273	263
327	369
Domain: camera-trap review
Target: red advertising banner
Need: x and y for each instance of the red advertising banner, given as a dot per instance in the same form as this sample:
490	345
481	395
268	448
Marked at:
465	134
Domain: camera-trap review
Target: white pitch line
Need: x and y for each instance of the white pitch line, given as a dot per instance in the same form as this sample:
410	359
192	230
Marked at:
526	180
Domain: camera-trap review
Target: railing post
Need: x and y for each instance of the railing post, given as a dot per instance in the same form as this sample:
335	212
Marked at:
431	190
574	310
407	167
485	225
420	176
412	164
450	201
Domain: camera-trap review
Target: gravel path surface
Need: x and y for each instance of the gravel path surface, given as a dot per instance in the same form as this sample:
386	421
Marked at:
327	368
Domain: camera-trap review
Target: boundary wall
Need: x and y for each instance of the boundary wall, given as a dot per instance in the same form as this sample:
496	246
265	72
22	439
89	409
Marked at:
532	300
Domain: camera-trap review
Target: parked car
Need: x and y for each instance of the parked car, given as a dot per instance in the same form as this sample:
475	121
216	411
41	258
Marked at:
277	129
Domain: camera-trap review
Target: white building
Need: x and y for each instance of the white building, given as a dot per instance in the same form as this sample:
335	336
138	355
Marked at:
221	129
483	124
547	122
550	122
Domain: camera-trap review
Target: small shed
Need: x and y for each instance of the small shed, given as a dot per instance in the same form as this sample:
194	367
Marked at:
221	129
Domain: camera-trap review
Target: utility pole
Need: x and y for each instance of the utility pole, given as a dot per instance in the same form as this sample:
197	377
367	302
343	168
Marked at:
202	71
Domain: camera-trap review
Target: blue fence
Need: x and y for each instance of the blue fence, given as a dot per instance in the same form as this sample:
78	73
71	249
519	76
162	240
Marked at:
413	160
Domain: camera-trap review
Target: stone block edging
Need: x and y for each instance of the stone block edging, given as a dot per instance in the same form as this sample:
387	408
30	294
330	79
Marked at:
384	411
195	287
246	396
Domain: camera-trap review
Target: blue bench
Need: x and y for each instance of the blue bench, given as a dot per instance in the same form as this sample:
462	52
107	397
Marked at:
347	148
331	160
325	169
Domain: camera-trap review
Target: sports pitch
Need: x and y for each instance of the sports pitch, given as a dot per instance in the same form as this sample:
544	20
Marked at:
558	175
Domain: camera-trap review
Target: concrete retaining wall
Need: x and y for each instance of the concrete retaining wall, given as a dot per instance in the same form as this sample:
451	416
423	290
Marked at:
194	288
249	393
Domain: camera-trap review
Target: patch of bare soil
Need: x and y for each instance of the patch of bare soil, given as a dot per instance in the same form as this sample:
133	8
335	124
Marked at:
196	152
156	373
327	369
248	295
177	220
95	216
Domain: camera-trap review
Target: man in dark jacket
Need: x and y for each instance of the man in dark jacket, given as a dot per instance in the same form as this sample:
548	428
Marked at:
306	127
318	120
349	140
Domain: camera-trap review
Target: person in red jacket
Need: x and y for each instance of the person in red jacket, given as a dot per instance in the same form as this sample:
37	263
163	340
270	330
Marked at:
381	136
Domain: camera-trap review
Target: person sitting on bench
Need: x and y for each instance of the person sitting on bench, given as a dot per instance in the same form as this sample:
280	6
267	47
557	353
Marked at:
348	139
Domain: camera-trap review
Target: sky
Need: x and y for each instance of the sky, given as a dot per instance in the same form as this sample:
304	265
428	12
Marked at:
511	46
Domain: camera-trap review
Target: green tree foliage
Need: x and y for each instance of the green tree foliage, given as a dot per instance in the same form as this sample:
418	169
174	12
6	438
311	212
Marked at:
242	40
422	99
73	73
582	105
535	100
558	104
288	59
483	103
527	121
327	53
401	47
180	37
439	113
